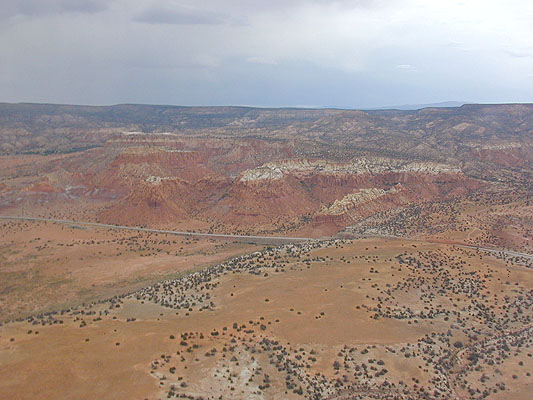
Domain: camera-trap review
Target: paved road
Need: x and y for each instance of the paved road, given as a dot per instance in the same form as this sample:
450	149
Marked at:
509	253
496	251
253	237
179	233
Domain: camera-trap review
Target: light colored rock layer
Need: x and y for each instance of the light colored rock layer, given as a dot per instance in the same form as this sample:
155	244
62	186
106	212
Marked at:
352	200
276	170
156	180
499	146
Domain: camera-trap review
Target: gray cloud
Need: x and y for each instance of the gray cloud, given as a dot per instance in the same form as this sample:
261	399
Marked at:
519	54
359	53
179	15
11	8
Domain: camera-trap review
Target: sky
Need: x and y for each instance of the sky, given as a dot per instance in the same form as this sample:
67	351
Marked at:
304	53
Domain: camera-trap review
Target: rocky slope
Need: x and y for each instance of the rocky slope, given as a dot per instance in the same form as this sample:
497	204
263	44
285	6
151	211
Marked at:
246	169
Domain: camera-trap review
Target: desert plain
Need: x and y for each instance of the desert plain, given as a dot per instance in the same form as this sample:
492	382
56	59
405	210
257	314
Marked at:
368	255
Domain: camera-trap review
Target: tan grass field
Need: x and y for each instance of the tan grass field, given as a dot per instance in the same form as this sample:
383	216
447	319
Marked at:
306	318
47	266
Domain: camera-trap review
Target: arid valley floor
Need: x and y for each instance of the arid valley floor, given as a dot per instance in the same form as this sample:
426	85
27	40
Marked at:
373	318
415	282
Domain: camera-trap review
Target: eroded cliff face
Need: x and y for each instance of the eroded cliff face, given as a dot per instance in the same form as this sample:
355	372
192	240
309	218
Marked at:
170	181
147	204
335	192
363	165
354	200
331	168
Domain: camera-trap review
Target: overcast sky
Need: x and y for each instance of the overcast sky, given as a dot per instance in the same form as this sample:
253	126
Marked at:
347	53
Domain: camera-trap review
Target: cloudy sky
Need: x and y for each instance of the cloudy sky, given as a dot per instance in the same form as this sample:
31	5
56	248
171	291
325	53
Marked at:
346	53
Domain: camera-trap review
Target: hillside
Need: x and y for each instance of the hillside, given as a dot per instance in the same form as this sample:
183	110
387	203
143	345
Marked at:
288	171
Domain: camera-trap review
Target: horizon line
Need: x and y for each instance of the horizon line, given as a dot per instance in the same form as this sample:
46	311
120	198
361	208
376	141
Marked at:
402	107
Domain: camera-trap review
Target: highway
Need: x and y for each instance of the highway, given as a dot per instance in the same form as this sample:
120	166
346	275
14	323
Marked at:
288	239
170	232
509	253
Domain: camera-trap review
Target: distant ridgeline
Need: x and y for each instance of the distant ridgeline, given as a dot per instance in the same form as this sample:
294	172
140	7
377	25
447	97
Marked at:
48	128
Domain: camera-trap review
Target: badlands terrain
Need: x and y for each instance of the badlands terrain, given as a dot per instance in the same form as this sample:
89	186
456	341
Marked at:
369	255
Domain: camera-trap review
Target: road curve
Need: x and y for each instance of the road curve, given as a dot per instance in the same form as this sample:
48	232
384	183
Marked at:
170	232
